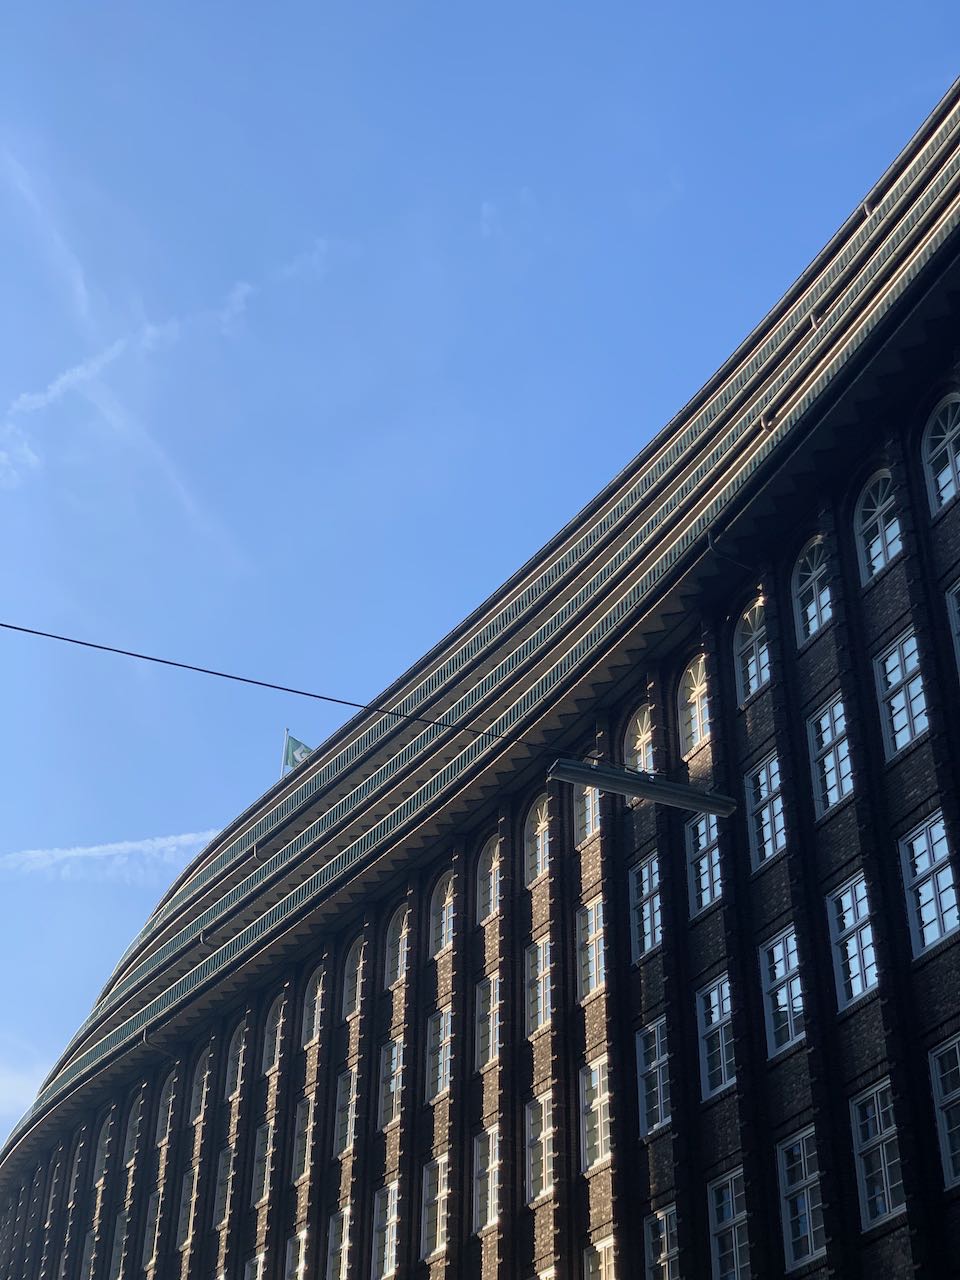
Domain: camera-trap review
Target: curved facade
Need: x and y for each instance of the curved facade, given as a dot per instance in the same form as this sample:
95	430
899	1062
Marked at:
421	1011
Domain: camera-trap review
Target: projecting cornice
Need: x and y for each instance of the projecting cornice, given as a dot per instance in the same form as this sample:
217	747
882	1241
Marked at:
377	781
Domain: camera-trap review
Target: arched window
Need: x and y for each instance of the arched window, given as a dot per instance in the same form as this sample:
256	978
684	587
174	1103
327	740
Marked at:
398	940
536	840
351	978
488	880
99	1167
941	452
586	802
812	606
751	654
312	1003
165	1109
638	743
198	1088
877	526
693	708
231	1079
441	914
133	1128
271	1036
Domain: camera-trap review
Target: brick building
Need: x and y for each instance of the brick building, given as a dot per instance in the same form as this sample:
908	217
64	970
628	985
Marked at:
427	1010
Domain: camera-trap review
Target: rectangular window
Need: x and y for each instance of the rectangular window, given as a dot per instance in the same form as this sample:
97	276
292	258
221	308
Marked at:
253	1267
486	1178
653	1074
294	1259
782	993
877	1154
661	1250
150	1229
800	1213
487	1030
765	811
646	930
590	947
717	1063
703	862
928	883
345	1116
391	1082
188	1186
953	608
945	1070
587	813
830	756
854	957
439	1046
598	1261
261	1164
594	1114
903	704
538	985
338	1246
119	1239
729	1247
538	1124
433	1216
301	1135
222	1189
385	1220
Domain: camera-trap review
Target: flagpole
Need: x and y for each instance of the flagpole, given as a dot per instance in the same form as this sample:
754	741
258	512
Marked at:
283	754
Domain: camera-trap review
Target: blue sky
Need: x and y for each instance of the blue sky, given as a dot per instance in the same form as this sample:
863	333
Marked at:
317	321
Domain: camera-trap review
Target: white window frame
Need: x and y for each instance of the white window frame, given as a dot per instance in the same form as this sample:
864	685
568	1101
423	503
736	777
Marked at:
187	1205
270	1051
646	919
928	883
345	1112
693	706
439	1051
884	1144
877	531
715	996
391	1083
487	1019
586	813
488	880
830	762
653	1076
232	1075
338	1245
386	1221
536	840
352	969
800	1199
397	948
538	985
638	751
949	409
810	590
221	1187
442	913
947	1102
731	1184
591	948
602	1253
486	1179
300	1147
312	1008
751	652
165	1109
538	1144
439	1169
262	1159
253	1267
704	879
765	822
852	941
661	1247
295	1256
782	990
953	609
901	695
198	1088
594	1113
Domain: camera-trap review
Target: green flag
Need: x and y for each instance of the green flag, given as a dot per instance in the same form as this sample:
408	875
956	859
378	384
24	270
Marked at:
294	752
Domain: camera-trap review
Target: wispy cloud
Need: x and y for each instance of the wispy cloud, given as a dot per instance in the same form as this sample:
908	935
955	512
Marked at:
313	263
128	861
234	305
72	378
16	455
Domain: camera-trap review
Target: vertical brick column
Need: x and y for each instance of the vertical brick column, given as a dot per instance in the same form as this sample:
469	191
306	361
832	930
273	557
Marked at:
881	874
55	1197
458	1138
830	1115
167	1167
226	1250
508	1109
318	1085
362	1053
411	1095
199	1154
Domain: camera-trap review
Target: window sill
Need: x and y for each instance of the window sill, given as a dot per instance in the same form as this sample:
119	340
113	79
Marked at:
657	1131
545	1196
858	1002
646	955
751	698
593	995
485	1068
537	879
538	1032
900	752
933	950
776	1056
438	1097
687	756
717	1094
760	867
805	644
700	914
835	808
889	1222
598	1166
881	572
936	513
808	1266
